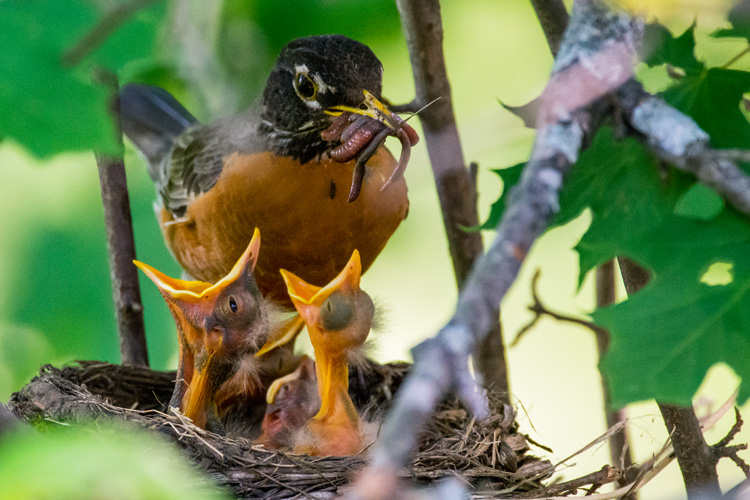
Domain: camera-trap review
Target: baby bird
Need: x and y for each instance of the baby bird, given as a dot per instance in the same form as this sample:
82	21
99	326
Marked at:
338	318
292	400
220	327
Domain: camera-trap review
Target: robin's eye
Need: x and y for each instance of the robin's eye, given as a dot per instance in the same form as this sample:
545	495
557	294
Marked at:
305	87
232	305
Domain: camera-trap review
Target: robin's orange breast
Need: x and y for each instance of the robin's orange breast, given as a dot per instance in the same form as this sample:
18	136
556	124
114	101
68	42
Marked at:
306	223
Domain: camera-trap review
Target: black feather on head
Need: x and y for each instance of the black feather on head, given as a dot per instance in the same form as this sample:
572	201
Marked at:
311	75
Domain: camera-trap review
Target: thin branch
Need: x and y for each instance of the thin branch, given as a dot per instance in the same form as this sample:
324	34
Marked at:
121	246
440	364
410	107
678	140
539	310
736	58
736	428
422	25
619	447
554	19
108	24
723	449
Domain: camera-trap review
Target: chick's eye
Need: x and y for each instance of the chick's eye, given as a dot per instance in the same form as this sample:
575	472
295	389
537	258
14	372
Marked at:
337	312
232	305
305	87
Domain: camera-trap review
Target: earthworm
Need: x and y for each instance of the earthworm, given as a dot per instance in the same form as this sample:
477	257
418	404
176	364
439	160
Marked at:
406	143
357	123
358	174
356	132
353	142
337	127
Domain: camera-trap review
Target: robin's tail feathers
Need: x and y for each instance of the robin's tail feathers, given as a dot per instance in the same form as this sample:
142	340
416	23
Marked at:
152	119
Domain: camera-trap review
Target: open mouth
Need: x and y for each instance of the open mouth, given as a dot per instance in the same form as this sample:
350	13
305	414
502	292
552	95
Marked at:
361	132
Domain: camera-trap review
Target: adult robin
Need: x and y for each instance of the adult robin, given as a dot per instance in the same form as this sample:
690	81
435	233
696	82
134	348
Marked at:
293	166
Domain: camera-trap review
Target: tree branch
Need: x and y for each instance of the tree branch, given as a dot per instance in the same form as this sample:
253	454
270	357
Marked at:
696	459
440	364
677	139
539	309
422	24
554	19
121	246
619	448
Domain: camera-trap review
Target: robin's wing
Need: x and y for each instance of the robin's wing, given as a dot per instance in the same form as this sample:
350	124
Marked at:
198	155
152	119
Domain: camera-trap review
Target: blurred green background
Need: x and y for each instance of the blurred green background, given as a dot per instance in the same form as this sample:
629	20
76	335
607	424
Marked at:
56	303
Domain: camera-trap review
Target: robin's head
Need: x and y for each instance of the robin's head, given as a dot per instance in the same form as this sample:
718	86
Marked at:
338	316
315	80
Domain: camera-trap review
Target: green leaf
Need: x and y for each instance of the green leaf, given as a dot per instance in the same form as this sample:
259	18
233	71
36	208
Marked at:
621	182
97	463
739	17
712	98
671	333
661	47
510	177
699	202
50	108
665	337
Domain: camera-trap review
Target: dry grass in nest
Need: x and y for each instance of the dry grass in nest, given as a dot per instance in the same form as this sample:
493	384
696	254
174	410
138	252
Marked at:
491	455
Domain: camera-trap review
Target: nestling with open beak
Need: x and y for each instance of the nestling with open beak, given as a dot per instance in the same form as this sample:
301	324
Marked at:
220	327
338	318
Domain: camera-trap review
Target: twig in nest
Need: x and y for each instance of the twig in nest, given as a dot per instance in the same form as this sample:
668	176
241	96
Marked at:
191	430
539	445
539	310
604	475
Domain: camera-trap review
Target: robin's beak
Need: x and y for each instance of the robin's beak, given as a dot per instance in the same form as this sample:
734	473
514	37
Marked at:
198	400
286	333
373	108
197	292
304	295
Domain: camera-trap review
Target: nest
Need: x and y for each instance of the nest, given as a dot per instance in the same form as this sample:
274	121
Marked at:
490	455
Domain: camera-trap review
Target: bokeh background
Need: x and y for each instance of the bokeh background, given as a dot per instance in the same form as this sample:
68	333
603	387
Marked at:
55	305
